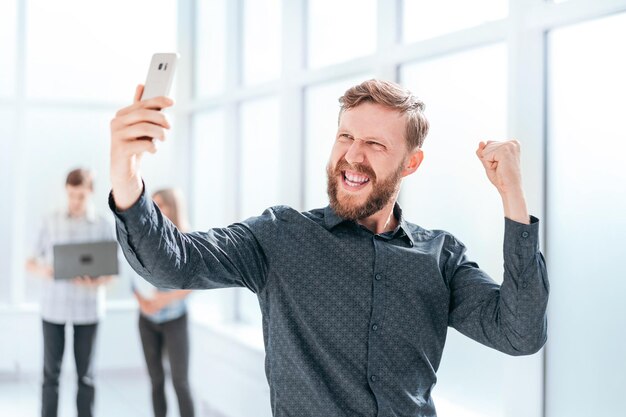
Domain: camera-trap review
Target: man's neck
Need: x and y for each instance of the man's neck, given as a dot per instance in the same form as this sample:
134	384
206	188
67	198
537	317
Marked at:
382	221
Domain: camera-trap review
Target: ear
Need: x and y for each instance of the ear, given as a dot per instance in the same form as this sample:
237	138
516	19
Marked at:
413	162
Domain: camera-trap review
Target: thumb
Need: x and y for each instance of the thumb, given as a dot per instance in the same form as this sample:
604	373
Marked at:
138	93
480	149
481	156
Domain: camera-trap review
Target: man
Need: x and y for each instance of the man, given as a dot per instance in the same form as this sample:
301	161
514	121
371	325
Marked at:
355	300
79	301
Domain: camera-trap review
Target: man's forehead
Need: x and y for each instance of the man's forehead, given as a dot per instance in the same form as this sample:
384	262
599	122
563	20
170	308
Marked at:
373	120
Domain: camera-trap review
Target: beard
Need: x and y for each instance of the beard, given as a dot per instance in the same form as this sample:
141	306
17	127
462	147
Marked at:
380	195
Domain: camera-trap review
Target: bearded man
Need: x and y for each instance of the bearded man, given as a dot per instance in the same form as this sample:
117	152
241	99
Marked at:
356	301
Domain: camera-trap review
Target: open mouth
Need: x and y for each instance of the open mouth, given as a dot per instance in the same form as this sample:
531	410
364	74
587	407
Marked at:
354	181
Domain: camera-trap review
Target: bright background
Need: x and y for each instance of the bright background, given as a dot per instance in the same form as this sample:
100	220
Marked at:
256	113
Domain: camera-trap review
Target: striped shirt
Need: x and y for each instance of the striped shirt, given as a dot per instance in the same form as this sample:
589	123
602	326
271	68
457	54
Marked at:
63	301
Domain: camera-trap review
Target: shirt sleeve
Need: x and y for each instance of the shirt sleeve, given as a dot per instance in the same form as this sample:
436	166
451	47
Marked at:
512	317
168	258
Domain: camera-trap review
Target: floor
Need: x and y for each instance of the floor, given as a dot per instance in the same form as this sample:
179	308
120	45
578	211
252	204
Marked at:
118	394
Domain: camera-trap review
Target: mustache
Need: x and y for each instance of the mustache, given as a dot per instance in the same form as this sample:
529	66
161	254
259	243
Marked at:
343	165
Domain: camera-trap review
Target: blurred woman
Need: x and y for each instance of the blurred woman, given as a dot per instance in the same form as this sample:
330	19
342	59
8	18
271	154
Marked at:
163	323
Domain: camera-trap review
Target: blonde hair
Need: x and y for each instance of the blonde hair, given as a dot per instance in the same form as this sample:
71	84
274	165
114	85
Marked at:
173	199
395	97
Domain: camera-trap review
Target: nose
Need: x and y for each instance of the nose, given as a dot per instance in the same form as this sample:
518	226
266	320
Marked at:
355	153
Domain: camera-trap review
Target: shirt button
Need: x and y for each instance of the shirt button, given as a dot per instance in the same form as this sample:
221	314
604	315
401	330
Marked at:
374	327
373	378
525	285
525	235
378	277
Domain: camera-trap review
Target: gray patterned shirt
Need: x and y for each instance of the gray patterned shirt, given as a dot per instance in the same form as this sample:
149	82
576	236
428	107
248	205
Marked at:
354	323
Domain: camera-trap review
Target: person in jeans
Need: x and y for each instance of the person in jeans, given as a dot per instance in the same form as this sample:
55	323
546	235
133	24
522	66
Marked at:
163	323
78	302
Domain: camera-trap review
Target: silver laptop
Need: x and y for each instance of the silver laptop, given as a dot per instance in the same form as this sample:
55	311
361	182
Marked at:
93	259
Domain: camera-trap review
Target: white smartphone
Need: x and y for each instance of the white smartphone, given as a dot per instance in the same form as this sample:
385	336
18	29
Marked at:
160	75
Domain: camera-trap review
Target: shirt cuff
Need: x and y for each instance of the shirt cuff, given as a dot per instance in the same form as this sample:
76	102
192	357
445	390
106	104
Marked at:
137	214
520	238
132	222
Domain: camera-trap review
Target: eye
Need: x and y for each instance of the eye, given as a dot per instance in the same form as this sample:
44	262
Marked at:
376	145
344	137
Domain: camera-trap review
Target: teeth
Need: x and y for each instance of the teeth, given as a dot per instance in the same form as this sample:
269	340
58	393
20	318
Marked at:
356	178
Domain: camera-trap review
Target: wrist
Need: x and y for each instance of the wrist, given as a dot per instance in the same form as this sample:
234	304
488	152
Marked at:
515	208
126	193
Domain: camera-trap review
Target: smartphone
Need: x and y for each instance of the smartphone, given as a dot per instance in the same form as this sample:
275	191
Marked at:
160	75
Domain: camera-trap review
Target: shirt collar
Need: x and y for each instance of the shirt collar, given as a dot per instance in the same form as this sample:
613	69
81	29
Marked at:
331	220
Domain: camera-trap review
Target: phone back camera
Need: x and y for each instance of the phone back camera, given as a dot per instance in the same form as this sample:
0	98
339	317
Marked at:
160	66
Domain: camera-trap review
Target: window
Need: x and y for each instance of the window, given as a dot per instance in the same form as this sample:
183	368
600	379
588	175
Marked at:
259	175
262	20
8	43
260	153
7	150
466	102
65	112
340	30
210	72
423	19
210	171
101	64
586	223
212	183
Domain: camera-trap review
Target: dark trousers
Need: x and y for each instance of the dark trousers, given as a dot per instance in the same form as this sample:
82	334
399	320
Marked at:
53	347
174	336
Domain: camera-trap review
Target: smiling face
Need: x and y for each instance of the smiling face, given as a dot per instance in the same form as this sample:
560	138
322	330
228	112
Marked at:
368	161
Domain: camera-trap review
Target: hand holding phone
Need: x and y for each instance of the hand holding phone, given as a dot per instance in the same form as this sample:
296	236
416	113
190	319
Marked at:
141	120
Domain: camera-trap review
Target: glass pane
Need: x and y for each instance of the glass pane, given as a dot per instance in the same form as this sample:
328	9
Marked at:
7	156
209	171
322	112
101	63
210	47
259	181
586	206
8	45
260	151
340	30
161	170
466	102
262	20
210	177
423	19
